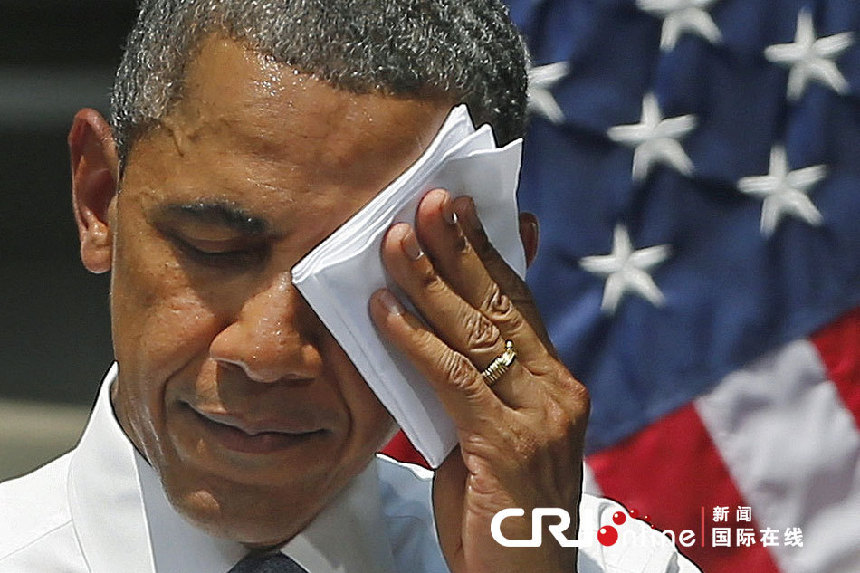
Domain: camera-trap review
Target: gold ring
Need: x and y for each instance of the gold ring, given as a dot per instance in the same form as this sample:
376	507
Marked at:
500	364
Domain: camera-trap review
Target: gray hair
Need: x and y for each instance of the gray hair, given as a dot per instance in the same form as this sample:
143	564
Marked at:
468	49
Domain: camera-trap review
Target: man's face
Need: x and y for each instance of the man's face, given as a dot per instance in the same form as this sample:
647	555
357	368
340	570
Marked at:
228	382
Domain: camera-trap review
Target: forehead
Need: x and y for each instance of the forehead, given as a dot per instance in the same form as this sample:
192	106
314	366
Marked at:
252	131
265	108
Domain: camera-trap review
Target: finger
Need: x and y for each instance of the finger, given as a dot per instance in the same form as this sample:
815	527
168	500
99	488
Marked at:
472	406
499	270
474	270
457	323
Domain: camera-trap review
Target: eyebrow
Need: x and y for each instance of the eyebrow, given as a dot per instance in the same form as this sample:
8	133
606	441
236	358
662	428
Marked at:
218	213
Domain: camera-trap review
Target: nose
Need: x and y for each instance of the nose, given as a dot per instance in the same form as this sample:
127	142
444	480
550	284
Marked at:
272	338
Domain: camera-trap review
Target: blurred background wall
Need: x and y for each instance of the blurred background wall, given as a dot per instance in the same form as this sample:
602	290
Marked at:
56	56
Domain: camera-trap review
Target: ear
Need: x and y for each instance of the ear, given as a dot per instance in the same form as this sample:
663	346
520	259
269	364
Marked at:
530	235
95	178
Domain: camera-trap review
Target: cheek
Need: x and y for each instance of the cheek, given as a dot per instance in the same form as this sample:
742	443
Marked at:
379	425
161	328
160	323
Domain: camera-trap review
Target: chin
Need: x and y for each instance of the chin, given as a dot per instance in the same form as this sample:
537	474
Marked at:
255	520
259	504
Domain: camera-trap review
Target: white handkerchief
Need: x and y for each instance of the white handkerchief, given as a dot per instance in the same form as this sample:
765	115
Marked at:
338	277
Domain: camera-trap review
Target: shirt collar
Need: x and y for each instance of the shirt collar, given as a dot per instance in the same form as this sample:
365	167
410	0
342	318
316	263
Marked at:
349	535
104	494
122	515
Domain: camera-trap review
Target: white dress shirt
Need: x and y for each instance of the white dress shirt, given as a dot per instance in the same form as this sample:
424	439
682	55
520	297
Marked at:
101	509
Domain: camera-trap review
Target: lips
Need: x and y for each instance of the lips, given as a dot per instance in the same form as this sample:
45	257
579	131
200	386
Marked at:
256	436
254	428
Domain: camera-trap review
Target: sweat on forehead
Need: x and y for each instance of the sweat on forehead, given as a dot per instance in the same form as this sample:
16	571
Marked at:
466	48
236	99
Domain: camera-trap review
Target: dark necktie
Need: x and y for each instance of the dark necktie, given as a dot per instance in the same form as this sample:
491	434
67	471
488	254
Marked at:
267	563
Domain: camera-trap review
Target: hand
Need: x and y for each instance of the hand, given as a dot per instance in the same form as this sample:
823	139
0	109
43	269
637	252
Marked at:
520	442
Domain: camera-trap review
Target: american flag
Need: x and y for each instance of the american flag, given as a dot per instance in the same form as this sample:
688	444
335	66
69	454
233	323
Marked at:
695	165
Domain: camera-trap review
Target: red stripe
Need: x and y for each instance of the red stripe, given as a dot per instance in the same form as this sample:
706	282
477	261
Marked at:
839	347
670	471
402	450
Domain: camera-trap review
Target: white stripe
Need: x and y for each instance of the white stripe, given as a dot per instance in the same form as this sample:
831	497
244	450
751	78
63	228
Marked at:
794	453
589	483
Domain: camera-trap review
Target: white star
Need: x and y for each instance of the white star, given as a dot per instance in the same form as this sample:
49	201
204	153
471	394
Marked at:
811	58
655	139
627	270
681	16
784	192
541	100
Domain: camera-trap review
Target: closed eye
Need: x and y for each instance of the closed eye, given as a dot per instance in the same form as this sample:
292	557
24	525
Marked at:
214	234
221	254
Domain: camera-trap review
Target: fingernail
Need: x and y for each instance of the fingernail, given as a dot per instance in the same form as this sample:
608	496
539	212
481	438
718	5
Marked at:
472	216
390	302
448	210
410	246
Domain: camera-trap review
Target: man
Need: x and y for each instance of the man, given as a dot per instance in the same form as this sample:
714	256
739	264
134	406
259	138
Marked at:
233	428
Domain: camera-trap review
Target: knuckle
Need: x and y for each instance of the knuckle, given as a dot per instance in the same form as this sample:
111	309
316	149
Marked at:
578	398
567	419
567	392
429	280
560	423
425	341
501	310
499	303
481	332
460	372
559	436
557	417
496	303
